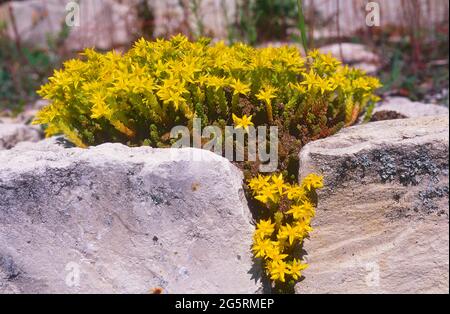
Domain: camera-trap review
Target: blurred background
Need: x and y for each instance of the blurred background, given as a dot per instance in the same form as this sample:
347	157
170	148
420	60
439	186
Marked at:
408	51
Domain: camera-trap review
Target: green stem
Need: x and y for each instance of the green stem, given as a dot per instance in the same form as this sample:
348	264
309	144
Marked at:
234	103
302	25
269	112
222	101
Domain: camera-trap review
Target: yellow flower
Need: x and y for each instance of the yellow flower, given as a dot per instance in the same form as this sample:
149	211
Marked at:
278	183
191	65
274	253
261	246
298	87
267	194
267	94
202	80
295	192
303	227
313	181
315	53
141	84
178	39
240	88
100	108
176	98
141	87
258	183
295	269
288	232
243	122
339	80
278	270
300	211
373	82
329	60
160	68
172	91
46	115
121	83
310	80
216	82
265	228
324	85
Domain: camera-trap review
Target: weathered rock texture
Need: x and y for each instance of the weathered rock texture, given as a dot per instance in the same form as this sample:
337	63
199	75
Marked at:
11	134
113	219
382	221
104	24
111	23
410	109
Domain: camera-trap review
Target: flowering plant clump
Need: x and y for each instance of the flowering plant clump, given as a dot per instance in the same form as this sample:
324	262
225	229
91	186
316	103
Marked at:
290	208
137	97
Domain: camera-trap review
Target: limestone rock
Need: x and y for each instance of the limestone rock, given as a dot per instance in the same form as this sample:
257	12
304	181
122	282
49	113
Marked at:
12	133
103	24
382	220
114	219
410	109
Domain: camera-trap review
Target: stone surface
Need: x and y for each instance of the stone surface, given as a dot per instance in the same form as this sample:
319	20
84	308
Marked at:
26	116
11	134
114	219
410	109
353	15
5	119
39	17
103	24
382	221
216	13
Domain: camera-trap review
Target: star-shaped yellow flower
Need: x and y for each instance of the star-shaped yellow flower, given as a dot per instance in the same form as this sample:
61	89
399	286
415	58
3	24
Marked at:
261	246
258	183
278	183
288	232
295	192
266	194
300	211
274	253
295	269
264	228
216	82
329	60
310	80
278	270
100	108
313	181
240	88
267	94
243	122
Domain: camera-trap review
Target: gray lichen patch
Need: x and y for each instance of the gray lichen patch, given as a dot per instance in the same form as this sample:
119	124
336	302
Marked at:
433	200
429	199
8	268
407	168
420	172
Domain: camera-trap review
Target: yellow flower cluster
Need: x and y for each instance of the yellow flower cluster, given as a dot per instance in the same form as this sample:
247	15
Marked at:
140	95
275	238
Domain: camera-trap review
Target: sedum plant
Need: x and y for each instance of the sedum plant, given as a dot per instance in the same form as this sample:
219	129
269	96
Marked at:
289	209
137	97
